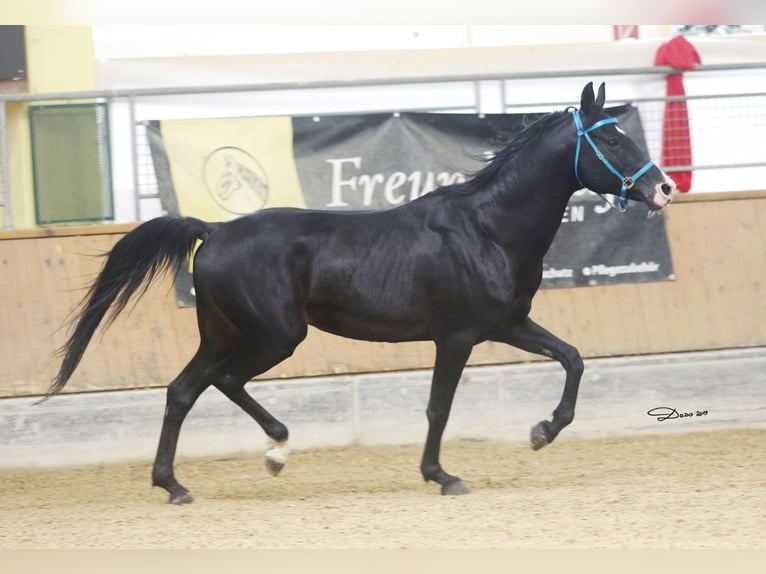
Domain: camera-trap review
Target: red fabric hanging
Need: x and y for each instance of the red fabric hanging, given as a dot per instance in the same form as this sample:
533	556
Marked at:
676	143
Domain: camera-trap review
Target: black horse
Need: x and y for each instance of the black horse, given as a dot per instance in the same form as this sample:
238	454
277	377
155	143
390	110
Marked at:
457	266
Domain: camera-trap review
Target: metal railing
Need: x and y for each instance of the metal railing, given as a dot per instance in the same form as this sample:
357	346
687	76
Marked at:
728	128
734	123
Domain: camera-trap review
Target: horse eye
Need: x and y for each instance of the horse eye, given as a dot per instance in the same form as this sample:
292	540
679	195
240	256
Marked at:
612	142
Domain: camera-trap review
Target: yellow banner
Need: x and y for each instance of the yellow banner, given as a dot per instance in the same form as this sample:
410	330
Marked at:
226	167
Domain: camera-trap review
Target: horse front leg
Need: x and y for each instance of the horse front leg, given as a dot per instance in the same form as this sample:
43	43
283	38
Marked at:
529	336
451	358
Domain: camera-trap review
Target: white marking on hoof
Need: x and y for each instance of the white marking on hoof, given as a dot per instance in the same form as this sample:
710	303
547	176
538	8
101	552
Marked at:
277	454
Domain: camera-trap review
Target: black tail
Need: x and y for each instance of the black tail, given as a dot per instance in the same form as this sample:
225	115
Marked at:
152	248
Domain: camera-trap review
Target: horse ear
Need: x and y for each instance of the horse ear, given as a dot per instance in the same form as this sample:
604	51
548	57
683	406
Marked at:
601	98
587	99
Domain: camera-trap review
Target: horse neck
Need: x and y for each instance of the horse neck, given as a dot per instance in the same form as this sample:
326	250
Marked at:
528	203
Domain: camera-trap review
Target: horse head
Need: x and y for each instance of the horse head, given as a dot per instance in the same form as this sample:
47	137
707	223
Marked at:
608	161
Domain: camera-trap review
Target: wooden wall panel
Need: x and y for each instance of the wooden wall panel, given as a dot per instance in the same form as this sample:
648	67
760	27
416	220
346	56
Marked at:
718	300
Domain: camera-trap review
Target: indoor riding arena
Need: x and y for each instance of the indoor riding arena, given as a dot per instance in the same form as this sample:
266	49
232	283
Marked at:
667	449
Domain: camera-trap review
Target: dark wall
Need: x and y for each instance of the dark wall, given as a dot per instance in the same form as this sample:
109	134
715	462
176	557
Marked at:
13	58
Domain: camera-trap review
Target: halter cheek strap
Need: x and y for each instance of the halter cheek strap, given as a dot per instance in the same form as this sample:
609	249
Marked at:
627	182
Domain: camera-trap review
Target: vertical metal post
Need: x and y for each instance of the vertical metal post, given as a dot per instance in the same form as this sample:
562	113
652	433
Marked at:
105	155
503	100
134	156
477	96
6	194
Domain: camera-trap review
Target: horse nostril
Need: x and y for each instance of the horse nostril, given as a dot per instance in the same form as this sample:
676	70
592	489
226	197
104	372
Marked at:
666	189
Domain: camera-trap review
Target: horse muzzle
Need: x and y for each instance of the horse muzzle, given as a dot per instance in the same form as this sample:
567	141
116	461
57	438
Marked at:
663	193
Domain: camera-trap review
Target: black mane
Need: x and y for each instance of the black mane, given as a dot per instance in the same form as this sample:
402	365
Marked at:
480	179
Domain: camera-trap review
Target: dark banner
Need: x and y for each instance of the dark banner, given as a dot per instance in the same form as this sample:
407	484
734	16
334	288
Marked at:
219	169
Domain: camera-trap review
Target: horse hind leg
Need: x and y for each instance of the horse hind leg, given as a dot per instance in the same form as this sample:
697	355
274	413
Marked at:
182	393
231	375
256	342
277	448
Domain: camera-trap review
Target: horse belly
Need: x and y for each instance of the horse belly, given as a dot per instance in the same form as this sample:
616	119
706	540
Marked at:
356	323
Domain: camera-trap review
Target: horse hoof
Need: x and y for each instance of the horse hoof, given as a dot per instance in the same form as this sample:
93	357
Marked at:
274	467
179	499
276	456
538	437
455	488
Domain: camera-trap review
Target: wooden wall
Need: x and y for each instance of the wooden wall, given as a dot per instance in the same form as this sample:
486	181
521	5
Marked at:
718	300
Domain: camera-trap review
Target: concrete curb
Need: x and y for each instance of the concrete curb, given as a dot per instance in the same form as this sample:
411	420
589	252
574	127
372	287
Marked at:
720	389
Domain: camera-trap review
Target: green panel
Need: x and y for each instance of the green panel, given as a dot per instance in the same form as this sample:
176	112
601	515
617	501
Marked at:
71	164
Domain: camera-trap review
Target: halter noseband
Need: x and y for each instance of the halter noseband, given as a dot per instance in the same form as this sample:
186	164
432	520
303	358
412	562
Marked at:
627	182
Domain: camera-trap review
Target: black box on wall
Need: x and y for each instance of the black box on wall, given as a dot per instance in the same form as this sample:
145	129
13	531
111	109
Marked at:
13	54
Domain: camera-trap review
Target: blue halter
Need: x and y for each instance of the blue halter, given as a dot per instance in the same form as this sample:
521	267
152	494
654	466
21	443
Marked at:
627	182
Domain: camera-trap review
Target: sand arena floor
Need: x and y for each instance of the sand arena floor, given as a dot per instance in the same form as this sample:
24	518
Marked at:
699	490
